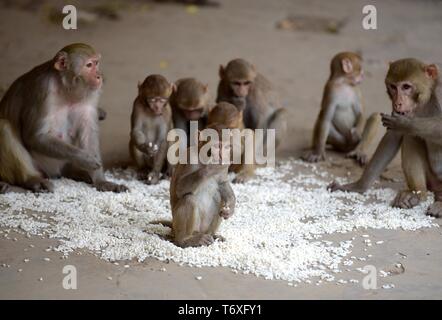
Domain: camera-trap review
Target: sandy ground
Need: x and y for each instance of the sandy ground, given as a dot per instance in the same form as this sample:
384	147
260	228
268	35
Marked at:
166	39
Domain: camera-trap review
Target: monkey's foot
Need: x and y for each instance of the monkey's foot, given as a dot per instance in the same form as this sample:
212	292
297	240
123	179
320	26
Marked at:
359	156
219	237
39	185
435	210
351	187
311	156
4	187
152	178
406	199
110	186
198	240
242	178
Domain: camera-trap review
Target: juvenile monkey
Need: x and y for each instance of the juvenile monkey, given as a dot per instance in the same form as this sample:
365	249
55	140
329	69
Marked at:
228	115
151	120
341	122
190	102
200	197
49	123
241	85
415	126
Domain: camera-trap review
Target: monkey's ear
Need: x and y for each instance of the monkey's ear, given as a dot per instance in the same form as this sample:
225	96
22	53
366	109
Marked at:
173	86
347	66
139	84
221	71
432	71
61	61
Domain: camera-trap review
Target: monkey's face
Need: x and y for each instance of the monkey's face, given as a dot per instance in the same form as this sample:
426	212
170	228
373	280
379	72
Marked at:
90	72
157	104
403	96
241	87
192	109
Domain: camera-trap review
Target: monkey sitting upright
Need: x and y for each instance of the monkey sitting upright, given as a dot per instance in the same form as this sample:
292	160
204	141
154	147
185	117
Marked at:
49	123
341	122
151	120
415	126
189	102
241	85
200	197
228	115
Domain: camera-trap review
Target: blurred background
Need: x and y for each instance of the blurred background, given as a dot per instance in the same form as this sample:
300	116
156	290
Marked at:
291	42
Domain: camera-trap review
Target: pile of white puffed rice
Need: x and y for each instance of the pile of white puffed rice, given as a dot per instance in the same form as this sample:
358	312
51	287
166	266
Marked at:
278	231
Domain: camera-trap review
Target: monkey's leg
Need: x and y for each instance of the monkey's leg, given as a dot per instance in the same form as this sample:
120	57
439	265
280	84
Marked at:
277	121
371	128
415	167
141	161
17	167
435	185
186	224
337	140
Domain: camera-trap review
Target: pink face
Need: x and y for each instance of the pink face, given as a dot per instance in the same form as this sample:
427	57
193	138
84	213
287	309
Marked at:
157	104
241	88
402	96
91	73
357	79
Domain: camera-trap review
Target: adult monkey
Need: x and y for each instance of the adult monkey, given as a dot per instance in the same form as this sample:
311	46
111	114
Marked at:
415	126
49	123
241	85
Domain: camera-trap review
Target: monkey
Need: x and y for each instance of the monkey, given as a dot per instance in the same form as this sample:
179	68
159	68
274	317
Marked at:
200	197
414	127
49	124
151	120
228	115
341	122
247	89
190	102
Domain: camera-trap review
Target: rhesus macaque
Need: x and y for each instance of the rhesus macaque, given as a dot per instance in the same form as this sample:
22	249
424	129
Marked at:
151	120
241	85
228	115
341	122
190	102
414	125
49	124
200	197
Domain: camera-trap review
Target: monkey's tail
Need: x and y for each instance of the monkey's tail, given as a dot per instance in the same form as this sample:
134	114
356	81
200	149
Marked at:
166	223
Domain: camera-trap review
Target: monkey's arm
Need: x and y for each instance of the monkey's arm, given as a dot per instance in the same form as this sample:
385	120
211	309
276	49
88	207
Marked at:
384	154
427	128
137	134
228	198
160	156
323	124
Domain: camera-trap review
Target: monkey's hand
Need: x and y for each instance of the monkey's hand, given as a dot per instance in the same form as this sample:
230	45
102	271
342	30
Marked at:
87	161
351	187
226	211
105	186
149	148
313	156
153	178
359	156
397	122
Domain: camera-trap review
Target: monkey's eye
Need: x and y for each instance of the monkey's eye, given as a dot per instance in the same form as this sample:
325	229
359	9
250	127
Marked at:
392	87
89	65
247	83
406	87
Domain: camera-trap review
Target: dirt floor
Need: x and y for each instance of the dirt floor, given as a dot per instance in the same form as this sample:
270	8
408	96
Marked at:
179	41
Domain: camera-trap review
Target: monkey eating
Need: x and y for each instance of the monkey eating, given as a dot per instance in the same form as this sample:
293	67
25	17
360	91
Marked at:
414	126
341	122
49	124
228	115
190	102
151	120
247	89
201	196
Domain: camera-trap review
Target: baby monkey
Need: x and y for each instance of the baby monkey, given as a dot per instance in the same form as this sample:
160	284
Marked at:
151	120
230	116
341	122
200	197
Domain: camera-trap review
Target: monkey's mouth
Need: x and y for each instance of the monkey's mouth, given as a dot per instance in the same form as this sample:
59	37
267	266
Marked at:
402	113
194	114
